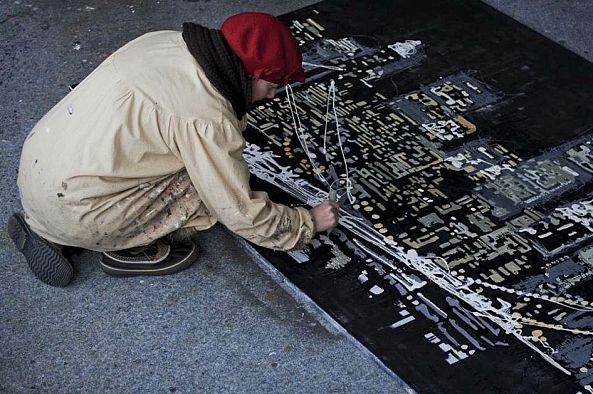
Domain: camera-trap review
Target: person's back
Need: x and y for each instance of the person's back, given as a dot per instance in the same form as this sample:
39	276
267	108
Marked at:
113	139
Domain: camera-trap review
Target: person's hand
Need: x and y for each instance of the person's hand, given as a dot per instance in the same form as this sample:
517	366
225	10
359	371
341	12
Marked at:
325	215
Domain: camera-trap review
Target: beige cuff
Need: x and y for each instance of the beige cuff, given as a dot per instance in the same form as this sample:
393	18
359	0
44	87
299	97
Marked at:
307	230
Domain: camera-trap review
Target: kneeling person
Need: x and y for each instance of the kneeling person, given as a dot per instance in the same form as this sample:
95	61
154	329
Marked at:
150	143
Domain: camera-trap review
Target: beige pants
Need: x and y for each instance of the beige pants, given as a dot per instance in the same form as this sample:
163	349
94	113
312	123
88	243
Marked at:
151	212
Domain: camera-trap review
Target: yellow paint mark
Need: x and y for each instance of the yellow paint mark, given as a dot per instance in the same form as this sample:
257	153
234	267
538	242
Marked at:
469	126
537	333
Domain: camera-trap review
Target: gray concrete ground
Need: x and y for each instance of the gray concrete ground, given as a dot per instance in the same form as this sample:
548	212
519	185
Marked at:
221	326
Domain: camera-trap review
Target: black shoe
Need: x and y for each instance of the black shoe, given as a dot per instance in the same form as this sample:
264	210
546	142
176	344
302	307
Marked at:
45	260
158	258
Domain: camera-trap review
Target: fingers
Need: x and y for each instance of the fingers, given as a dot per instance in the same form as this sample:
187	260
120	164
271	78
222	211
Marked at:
334	204
334	210
325	215
331	203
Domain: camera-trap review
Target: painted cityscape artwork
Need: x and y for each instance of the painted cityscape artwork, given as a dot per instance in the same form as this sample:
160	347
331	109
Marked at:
459	144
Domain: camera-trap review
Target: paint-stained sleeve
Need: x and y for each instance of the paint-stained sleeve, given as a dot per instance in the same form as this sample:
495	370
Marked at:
213	156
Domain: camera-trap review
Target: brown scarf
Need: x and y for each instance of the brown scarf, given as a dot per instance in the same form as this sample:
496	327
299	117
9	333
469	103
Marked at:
220	64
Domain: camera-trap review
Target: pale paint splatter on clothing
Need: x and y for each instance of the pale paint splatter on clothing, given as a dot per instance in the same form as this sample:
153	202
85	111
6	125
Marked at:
154	211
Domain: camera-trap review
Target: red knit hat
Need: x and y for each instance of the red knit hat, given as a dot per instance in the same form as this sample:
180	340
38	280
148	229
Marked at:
265	46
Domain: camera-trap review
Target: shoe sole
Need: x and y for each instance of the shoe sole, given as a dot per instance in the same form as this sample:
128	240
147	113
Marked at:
45	261
167	270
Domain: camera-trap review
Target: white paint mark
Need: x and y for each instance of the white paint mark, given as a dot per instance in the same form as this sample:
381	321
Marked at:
528	230
299	255
402	322
376	290
492	171
323	66
317	25
580	212
363	277
451	359
405	49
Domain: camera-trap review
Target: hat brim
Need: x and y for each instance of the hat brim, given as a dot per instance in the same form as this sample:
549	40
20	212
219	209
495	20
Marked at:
298	76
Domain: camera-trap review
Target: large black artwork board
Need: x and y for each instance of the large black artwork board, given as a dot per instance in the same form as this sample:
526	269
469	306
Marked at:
463	257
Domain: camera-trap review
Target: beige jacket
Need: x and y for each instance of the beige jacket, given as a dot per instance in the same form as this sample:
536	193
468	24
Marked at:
143	146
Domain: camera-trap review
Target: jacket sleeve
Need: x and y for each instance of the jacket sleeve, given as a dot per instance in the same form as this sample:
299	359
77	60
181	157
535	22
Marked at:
213	156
